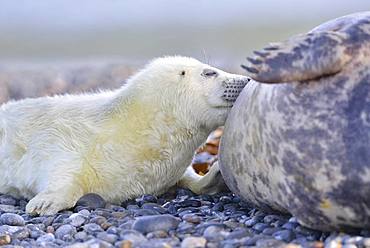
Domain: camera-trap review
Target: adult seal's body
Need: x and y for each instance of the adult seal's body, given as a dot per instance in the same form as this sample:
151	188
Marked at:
298	141
138	139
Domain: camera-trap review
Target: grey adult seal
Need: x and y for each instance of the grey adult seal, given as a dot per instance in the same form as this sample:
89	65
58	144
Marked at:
298	140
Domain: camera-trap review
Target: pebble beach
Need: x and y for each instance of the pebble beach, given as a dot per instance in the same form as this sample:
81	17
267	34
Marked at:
177	219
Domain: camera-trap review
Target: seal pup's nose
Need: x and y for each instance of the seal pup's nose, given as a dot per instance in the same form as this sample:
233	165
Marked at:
233	87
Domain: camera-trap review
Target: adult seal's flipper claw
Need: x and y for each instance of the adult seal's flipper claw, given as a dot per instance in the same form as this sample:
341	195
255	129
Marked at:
303	57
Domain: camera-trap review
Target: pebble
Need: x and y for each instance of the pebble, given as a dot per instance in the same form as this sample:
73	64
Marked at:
7	200
157	222
260	226
92	228
239	234
92	201
192	218
81	236
252	221
285	235
65	231
133	236
110	238
77	219
5	239
194	242
177	219
269	242
12	219
49	237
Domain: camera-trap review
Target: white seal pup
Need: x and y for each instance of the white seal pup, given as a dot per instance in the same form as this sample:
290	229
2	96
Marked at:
135	140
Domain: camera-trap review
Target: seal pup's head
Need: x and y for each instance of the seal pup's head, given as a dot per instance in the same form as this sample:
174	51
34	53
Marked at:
195	89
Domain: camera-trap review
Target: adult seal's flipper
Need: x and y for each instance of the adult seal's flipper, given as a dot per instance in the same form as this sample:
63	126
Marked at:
303	57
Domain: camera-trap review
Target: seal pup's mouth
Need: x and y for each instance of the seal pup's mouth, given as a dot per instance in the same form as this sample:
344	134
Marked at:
233	87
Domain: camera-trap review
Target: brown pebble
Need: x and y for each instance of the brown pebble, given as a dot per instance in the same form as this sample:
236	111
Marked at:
50	229
5	239
192	218
318	244
126	244
105	225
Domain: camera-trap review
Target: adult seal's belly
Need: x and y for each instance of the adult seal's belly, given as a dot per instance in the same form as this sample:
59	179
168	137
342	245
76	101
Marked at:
301	144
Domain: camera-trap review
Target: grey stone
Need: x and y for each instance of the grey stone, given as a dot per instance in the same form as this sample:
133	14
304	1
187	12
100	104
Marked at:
110	238
269	243
252	221
12	219
92	228
260	226
147	224
7	200
92	243
65	231
81	236
48	237
77	219
92	201
134	236
192	218
239	234
271	230
285	235
214	233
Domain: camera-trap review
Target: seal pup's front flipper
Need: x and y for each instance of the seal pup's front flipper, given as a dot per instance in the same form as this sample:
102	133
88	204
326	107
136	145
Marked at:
303	57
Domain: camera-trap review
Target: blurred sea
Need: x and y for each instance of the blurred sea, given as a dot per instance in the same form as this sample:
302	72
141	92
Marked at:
51	39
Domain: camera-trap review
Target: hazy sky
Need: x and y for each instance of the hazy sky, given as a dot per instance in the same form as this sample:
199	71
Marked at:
141	29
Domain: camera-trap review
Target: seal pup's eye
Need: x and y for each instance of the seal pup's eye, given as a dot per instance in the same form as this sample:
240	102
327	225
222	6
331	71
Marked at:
209	73
182	73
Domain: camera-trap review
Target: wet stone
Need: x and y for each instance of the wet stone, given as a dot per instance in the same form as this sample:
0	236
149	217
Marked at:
157	234
7	208
92	228
239	234
214	233
134	236
155	207
260	227
253	240
290	225
65	231
188	203
284	235
192	218
77	219
81	236
271	218
48	237
145	199
92	201
7	200
271	230
156	222
269	243
110	238
12	219
252	221
185	227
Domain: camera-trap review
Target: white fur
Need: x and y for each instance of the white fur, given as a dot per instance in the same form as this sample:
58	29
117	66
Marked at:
138	139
